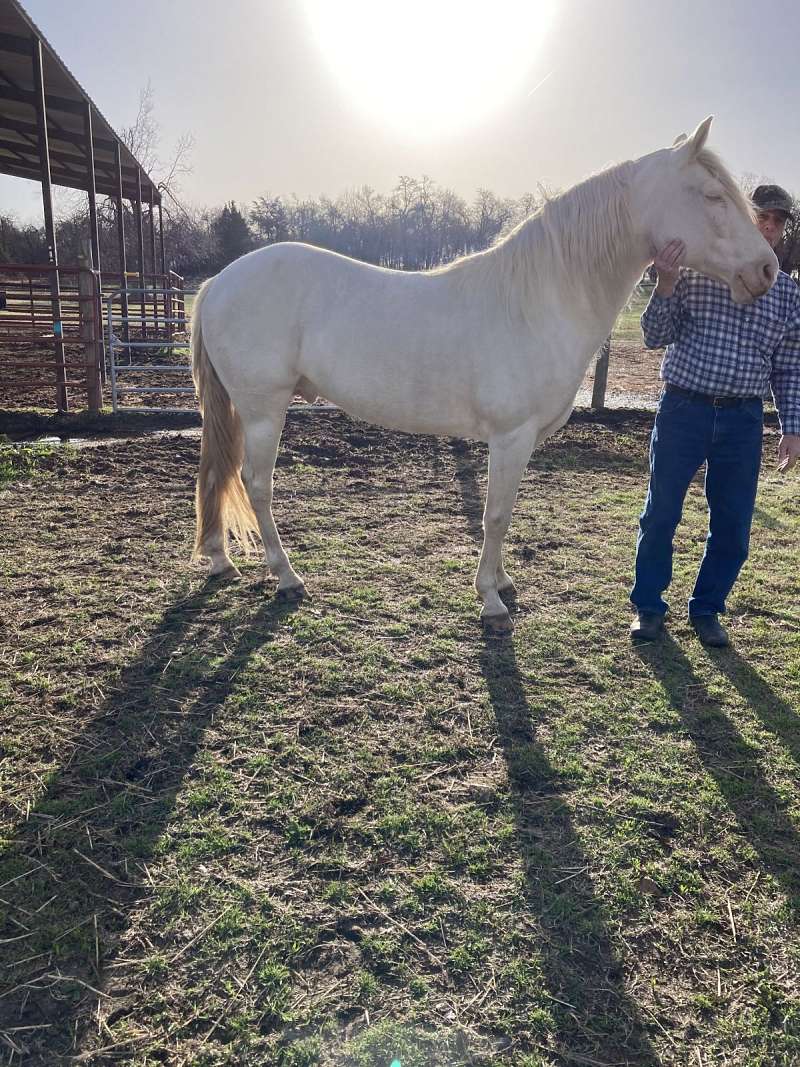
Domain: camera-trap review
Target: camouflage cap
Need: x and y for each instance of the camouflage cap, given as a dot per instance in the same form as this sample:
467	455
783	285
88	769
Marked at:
772	198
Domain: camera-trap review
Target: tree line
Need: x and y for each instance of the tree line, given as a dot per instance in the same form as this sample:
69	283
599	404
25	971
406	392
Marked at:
418	225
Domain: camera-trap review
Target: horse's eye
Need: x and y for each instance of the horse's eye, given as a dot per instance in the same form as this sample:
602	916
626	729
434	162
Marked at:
714	199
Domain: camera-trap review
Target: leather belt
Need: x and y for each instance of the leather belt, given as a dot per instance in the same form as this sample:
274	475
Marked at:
707	398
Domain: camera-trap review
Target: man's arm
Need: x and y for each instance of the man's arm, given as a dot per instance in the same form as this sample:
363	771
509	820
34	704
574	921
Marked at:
785	383
663	317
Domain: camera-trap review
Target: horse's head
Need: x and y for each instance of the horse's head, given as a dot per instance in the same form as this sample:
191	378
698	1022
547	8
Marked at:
686	192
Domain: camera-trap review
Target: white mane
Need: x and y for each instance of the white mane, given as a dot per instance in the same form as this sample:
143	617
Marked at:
576	240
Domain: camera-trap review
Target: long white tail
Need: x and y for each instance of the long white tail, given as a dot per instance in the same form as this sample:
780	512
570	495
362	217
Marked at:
221	501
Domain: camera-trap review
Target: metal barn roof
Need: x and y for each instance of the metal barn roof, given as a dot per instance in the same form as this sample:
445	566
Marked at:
69	111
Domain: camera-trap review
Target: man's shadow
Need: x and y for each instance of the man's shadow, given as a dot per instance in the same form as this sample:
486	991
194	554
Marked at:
779	717
733	763
596	1019
73	868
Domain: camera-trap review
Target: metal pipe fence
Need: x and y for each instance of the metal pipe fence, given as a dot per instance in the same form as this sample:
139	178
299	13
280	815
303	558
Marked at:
45	358
137	345
43	355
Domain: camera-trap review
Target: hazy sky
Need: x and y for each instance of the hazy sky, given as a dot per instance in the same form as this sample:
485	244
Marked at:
259	89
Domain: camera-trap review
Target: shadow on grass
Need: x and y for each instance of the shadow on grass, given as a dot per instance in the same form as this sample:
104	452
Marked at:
554	458
594	1015
471	499
574	457
595	1019
729	759
765	519
779	717
73	869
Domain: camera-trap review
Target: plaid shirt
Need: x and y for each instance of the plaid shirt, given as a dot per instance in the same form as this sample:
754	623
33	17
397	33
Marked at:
725	349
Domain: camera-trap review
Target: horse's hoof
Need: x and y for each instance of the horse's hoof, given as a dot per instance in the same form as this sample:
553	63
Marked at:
228	574
497	625
292	593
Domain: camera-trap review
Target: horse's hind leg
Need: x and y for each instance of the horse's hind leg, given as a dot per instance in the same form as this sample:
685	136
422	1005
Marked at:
222	566
262	435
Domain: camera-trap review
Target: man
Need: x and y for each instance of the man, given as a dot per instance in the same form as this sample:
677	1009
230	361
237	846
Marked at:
721	359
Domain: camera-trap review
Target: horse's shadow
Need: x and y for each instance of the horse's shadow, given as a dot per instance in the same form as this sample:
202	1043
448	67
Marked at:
73	867
584	976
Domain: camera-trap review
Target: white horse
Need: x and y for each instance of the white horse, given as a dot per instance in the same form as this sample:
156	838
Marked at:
492	347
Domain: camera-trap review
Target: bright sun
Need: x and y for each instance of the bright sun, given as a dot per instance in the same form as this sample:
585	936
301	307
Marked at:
430	67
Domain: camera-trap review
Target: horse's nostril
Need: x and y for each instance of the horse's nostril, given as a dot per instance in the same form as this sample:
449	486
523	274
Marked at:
769	272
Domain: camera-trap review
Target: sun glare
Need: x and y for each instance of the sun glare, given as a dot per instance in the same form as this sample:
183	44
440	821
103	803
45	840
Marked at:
431	67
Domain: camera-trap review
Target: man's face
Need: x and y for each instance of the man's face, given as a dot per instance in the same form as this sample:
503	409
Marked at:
771	224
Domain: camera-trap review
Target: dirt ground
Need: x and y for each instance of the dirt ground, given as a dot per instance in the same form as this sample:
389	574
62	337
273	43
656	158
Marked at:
632	372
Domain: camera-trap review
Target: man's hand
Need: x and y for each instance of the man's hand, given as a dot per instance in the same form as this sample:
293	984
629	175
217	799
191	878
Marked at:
667	264
788	451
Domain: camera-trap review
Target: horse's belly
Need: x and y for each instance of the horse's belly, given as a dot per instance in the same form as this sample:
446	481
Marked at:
391	403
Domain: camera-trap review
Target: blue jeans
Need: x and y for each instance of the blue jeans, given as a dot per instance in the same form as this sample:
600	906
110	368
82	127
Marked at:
686	434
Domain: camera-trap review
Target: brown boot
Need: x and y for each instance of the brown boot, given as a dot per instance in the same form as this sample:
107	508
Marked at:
647	626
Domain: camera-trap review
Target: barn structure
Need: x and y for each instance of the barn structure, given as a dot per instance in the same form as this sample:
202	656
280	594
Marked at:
51	324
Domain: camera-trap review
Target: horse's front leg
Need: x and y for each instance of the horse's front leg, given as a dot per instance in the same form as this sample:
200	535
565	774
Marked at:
508	457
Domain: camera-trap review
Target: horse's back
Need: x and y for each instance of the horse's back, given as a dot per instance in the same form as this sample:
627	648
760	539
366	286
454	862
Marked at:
362	335
298	264
421	351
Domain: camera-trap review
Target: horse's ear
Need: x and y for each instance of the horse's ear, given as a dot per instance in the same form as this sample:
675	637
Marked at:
679	140
697	141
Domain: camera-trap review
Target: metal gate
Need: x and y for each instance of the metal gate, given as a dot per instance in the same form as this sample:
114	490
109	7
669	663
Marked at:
147	345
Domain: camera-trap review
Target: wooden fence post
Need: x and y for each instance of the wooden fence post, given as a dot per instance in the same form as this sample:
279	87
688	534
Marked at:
601	376
90	328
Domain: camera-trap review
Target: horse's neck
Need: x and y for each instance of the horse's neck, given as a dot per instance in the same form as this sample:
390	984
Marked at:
604	304
590	249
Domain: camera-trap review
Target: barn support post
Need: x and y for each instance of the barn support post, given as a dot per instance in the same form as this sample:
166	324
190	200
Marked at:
140	249
152	235
162	250
123	259
62	401
91	330
163	257
601	376
94	231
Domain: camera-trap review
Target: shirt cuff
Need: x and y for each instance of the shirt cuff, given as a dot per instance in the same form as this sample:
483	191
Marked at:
791	423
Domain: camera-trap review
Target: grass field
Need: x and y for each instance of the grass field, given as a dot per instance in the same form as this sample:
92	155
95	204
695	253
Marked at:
628	327
356	832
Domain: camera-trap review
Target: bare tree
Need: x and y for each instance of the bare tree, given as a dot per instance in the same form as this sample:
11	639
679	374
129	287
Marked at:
788	251
268	216
143	137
